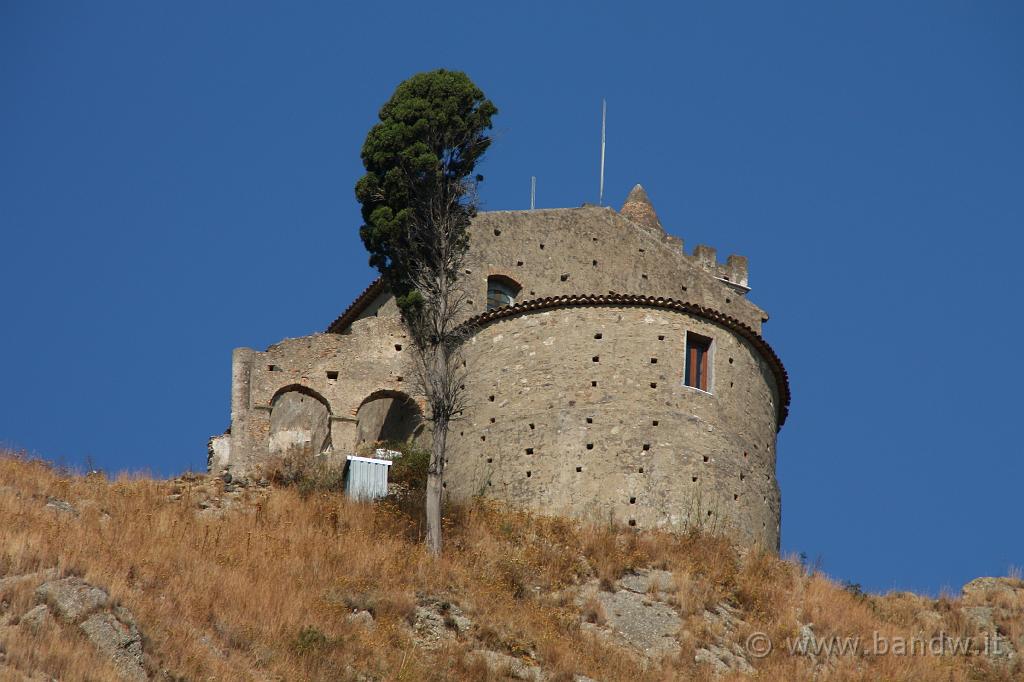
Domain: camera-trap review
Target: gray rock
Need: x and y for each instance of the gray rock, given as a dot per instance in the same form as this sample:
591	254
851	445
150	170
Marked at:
37	618
363	618
723	659
503	664
724	656
14	581
61	506
646	624
644	582
982	590
723	617
120	641
984	603
436	621
71	598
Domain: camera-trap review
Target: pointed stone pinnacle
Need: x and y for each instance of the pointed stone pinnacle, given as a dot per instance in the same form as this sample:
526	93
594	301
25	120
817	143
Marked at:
638	208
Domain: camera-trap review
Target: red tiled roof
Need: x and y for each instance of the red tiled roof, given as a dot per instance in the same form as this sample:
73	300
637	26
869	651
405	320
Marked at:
364	299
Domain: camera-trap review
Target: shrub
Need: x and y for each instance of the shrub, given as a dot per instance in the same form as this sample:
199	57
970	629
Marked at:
308	473
309	641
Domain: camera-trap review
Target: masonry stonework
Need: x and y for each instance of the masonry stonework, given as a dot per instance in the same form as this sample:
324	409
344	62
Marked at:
576	400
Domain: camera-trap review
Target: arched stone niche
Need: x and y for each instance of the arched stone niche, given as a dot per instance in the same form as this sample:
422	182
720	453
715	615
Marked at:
299	423
388	416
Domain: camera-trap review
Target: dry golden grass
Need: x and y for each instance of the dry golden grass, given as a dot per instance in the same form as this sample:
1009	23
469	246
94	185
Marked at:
261	589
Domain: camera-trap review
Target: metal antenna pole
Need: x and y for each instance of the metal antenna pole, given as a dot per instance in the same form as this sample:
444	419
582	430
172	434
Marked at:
604	116
533	192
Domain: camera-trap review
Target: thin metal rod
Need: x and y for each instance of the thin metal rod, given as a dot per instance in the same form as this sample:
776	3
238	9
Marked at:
604	116
533	192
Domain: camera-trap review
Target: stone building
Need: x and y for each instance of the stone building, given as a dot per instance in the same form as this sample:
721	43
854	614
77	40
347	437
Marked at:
610	375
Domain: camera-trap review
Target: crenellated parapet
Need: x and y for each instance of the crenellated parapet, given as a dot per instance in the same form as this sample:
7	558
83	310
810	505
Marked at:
733	271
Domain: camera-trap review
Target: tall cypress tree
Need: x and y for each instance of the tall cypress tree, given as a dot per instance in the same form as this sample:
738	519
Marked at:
418	197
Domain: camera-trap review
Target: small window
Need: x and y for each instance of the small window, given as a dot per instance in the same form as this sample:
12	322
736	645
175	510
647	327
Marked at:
698	372
501	291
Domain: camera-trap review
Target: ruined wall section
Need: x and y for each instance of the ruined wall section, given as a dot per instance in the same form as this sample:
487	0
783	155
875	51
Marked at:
342	369
582	411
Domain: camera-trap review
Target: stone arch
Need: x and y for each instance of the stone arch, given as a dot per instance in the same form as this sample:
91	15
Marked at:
388	416
300	422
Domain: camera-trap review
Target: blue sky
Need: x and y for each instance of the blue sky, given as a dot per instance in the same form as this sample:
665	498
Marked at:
176	180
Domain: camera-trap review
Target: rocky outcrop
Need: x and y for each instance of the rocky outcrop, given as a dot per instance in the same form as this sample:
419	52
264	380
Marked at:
992	604
637	612
436	621
71	598
111	629
116	635
724	655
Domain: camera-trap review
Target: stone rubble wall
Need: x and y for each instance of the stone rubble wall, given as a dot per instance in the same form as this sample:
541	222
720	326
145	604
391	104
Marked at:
639	448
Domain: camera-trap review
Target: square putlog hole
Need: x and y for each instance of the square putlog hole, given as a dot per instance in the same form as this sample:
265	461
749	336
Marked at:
529	451
332	376
598	335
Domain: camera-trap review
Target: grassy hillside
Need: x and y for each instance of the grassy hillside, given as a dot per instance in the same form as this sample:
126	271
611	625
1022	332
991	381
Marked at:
293	583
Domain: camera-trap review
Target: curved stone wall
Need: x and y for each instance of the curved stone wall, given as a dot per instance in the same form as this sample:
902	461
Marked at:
582	411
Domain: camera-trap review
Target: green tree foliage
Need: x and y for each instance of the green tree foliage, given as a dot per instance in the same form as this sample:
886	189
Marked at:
419	163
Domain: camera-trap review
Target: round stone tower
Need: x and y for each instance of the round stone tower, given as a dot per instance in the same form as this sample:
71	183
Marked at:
627	381
609	376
